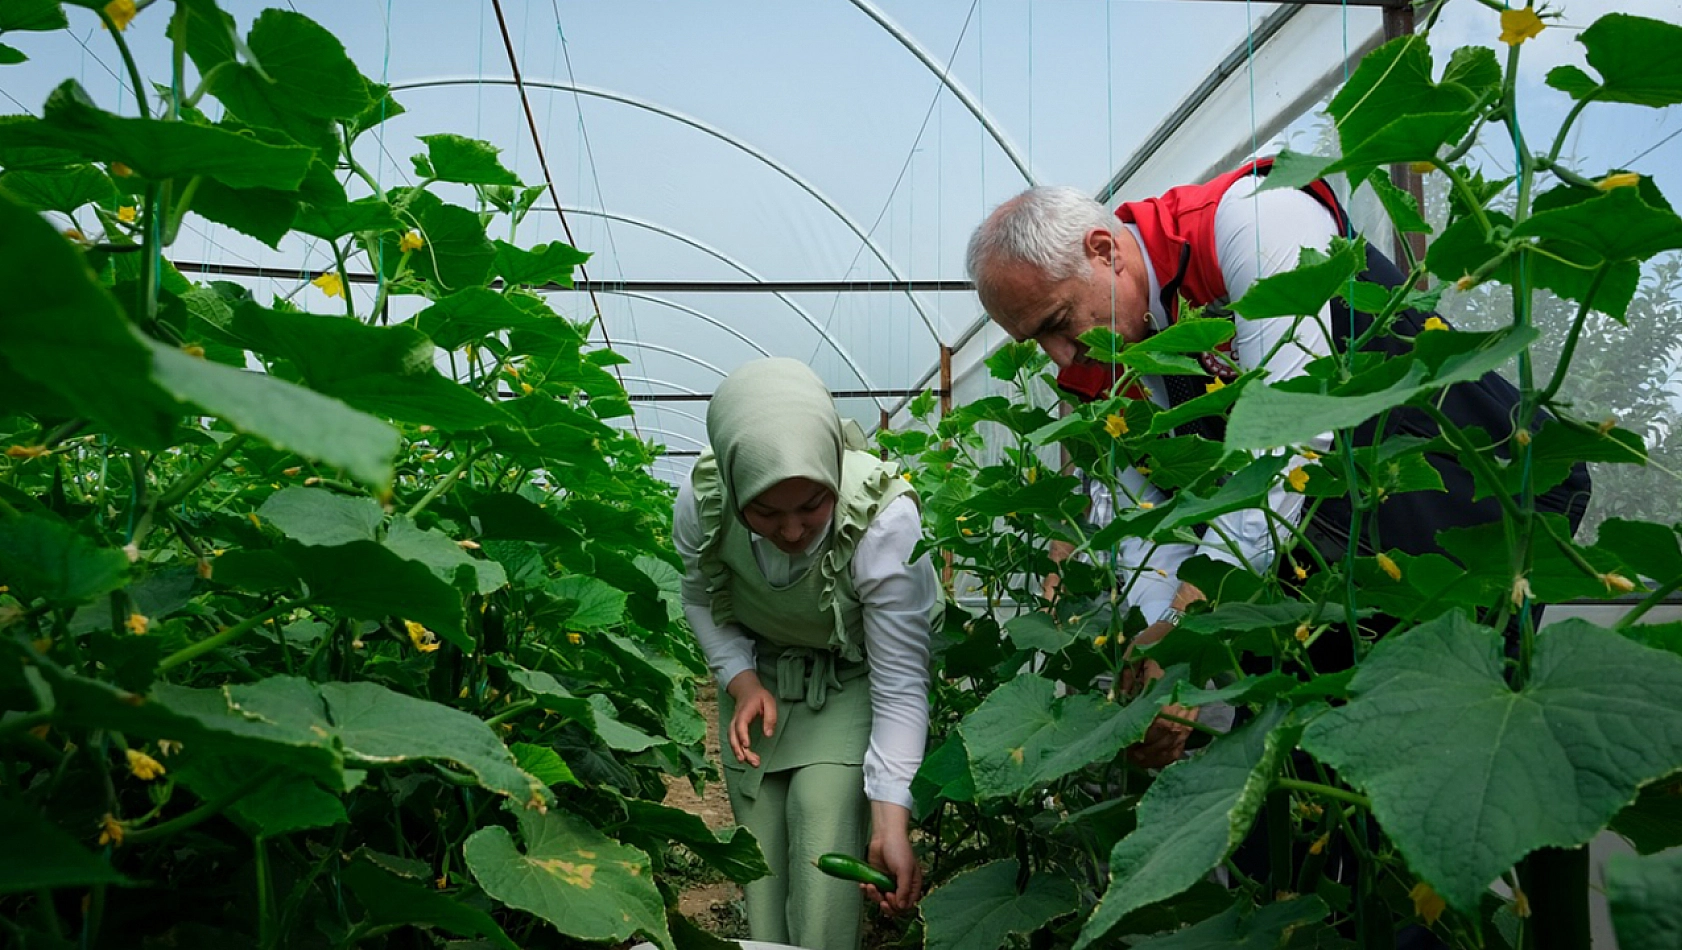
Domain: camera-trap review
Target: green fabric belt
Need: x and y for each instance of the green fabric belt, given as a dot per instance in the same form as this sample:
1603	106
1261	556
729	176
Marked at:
805	673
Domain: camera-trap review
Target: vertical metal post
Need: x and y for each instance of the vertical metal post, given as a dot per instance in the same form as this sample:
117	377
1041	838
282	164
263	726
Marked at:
946	407
1399	21
882	426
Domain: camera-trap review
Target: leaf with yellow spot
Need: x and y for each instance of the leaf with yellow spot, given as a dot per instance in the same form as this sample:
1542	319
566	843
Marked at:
587	885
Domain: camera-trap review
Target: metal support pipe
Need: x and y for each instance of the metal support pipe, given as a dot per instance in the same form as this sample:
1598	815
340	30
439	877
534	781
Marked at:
1398	22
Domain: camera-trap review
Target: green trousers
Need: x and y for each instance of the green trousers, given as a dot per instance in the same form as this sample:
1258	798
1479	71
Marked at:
798	815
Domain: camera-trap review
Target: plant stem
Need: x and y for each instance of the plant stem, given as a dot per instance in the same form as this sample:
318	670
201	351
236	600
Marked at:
510	712
1327	791
265	908
201	814
448	480
227	636
344	279
1571	338
128	61
1647	603
178	492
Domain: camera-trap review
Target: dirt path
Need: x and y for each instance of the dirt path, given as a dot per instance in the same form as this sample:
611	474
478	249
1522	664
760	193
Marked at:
717	905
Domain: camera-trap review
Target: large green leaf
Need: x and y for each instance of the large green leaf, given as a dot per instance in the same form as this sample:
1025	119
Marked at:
595	604
1616	226
1467	774
155	148
40	856
457	254
61	331
1024	735
543	764
1304	290
1393	80
1645	897
1639	61
468	161
286	416
37	15
735	853
470	315
302	80
378	726
1565	268
63	190
1191	335
392	899
1267	417
584	883
382	370
544	264
372	582
46	558
333	220
262	213
317	516
445	557
981	908
1232	929
1191	819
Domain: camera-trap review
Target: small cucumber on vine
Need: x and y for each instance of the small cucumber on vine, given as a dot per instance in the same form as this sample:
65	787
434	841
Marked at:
848	868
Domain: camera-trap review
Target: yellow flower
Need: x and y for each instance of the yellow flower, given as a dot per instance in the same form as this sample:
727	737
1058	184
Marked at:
1302	635
256	522
1389	567
1426	903
411	242
1320	843
1300	571
126	214
1620	180
468	544
905	475
330	284
1607	425
575	638
1032	474
1422	168
1617	582
1298	478
143	766
1147	505
193	350
137	623
1144	470
290	472
1217	383
1115	425
1522	437
424	640
119	170
1310	455
27	451
527	388
1099	641
966	532
1519	25
110	831
121	12
1435	323
1466	283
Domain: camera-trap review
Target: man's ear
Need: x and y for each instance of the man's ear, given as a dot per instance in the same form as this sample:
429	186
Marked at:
1100	244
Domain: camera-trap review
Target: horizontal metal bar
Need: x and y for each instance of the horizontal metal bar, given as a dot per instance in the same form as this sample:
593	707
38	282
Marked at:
838	394
638	286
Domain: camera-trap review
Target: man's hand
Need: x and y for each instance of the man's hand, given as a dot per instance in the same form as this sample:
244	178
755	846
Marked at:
1165	740
753	701
890	852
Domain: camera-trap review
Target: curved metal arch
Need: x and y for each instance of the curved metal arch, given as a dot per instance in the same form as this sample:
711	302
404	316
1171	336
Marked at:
709	129
667	350
663	409
685	390
675	435
713	321
955	87
740	268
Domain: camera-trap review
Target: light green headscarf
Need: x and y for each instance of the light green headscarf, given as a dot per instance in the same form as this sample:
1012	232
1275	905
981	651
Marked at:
772	420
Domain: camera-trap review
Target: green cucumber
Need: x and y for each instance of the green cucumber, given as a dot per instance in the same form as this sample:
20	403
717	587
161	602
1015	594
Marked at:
848	868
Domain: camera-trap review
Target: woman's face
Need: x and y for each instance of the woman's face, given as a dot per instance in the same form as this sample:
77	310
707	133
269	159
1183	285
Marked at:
791	513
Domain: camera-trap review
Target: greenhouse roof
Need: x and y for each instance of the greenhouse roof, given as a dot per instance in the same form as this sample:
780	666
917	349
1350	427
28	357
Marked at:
799	180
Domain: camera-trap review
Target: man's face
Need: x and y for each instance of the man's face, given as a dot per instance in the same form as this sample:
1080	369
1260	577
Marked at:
1054	313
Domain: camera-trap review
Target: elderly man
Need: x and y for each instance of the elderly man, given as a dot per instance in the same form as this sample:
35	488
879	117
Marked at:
1051	264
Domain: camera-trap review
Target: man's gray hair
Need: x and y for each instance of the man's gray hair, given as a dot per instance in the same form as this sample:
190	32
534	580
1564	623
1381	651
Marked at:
1044	226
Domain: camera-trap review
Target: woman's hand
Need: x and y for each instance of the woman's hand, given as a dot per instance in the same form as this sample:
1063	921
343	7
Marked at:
753	701
890	852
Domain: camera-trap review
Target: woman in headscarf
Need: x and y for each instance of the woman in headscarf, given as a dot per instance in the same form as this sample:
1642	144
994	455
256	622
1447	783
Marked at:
814	616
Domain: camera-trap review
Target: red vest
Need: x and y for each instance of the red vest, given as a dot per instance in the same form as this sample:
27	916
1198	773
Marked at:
1177	231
